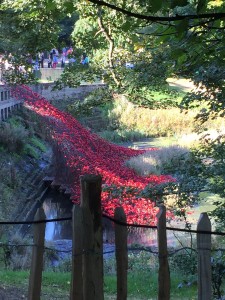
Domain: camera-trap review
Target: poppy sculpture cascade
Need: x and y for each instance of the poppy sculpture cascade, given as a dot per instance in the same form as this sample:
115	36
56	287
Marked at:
87	153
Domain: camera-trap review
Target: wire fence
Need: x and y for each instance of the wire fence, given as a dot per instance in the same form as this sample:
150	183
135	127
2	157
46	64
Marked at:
220	233
139	256
131	248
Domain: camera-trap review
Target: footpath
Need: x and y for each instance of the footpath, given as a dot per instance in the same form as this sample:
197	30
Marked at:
182	84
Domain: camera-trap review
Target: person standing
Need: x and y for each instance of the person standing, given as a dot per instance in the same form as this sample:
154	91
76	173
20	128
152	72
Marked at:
49	61
84	59
54	61
41	59
63	60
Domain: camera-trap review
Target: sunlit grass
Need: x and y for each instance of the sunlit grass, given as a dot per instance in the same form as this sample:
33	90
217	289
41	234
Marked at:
155	161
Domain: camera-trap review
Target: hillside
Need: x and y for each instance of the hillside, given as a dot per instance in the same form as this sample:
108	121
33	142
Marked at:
25	157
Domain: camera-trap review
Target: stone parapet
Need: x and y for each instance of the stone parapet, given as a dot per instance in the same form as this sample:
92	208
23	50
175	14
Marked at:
78	93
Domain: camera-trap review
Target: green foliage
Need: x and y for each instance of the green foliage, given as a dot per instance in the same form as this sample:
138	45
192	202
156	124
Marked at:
97	98
185	262
66	27
150	123
212	153
211	92
76	73
18	257
38	144
13	139
122	135
31	151
155	98
27	27
32	123
218	272
18	141
16	136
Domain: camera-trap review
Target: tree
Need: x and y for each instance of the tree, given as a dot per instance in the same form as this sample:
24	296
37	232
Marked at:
187	35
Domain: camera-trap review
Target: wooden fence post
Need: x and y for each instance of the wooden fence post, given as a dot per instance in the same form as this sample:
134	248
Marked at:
34	291
93	237
204	258
121	254
76	292
164	273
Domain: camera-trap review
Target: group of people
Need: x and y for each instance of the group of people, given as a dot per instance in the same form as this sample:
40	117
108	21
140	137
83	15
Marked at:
49	59
67	54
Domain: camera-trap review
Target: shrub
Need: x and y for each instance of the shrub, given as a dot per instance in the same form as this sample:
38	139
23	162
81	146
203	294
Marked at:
142	261
185	263
65	265
13	139
19	253
118	136
98	97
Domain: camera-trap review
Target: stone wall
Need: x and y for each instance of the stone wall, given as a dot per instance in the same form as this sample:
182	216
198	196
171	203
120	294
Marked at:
79	93
49	74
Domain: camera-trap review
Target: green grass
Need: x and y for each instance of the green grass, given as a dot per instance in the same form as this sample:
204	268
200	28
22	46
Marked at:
18	278
31	151
145	286
54	284
38	144
140	285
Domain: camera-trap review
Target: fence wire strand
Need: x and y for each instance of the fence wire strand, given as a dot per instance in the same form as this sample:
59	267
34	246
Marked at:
114	221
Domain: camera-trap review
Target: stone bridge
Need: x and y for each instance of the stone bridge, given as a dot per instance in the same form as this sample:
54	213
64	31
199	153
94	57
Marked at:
8	103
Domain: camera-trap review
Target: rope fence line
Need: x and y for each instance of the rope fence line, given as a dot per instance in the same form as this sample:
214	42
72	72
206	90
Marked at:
116	222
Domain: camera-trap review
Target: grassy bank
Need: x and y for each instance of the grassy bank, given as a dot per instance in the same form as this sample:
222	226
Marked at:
117	119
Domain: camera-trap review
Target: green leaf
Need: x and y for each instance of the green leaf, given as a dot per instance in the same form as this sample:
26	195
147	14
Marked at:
175	54
182	27
69	6
182	59
156	5
50	6
201	5
175	3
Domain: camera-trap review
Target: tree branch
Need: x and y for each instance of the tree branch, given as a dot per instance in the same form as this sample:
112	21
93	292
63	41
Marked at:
111	44
212	16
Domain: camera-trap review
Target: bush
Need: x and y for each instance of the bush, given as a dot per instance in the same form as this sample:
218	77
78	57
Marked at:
13	139
17	254
97	98
156	98
119	136
185	263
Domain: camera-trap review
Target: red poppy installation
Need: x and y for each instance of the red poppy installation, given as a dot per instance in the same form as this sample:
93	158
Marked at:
87	153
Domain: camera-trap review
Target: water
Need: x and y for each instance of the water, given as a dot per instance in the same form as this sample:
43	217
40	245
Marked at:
56	205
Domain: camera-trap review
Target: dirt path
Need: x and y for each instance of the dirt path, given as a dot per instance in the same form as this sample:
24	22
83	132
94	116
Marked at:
181	84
